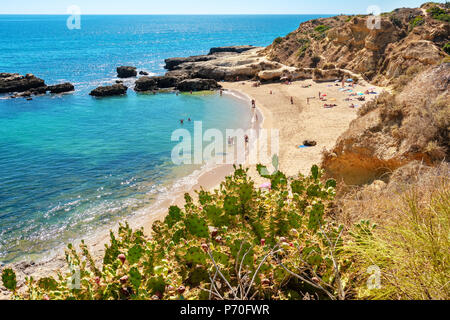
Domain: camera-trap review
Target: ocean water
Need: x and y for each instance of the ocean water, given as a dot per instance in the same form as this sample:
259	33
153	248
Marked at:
70	164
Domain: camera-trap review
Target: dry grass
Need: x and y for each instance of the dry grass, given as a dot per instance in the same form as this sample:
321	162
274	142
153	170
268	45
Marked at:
411	244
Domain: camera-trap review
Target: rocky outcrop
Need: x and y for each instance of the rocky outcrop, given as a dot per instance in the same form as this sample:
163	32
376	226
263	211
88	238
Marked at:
145	84
174	63
61	88
396	129
28	85
197	85
233	49
105	91
126	72
403	39
14	82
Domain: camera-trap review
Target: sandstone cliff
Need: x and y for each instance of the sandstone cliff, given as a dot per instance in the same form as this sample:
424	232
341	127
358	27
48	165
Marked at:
405	38
396	129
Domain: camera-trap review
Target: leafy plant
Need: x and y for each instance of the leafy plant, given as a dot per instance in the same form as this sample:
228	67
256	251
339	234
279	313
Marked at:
238	242
417	21
439	14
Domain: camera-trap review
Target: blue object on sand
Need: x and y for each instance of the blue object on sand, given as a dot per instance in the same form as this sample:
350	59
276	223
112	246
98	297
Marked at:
302	146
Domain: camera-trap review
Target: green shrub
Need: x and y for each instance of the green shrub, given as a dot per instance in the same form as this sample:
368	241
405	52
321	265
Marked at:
439	14
447	48
417	21
304	45
236	242
322	28
278	40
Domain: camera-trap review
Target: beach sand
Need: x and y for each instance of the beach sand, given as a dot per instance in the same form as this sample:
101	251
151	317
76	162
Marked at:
302	121
296	122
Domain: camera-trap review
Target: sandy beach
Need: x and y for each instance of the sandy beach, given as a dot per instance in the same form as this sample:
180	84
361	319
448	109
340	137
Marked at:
302	120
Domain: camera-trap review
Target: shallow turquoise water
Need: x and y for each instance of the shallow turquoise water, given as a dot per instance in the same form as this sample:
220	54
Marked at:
70	164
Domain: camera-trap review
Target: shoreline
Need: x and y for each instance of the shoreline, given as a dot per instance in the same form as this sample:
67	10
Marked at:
274	112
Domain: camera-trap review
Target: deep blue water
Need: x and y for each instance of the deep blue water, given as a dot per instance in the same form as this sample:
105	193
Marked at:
70	164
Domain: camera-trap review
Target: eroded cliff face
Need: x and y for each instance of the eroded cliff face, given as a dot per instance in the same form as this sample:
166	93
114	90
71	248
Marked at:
405	38
395	130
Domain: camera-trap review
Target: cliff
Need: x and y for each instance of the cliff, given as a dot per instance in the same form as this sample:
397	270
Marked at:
405	38
396	129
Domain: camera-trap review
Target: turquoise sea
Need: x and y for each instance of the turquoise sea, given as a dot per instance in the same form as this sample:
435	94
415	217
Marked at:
70	164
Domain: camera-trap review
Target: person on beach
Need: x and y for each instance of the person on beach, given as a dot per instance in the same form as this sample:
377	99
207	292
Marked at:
320	95
221	92
253	104
246	139
270	91
292	100
191	92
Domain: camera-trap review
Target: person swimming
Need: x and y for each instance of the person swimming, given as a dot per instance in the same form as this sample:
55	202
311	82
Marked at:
189	119
181	121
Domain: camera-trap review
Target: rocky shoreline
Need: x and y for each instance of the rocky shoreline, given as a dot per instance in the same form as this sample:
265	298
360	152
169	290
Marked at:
184	74
26	86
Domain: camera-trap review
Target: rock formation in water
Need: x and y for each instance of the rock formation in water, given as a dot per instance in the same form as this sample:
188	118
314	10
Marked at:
14	82
126	72
28	85
106	91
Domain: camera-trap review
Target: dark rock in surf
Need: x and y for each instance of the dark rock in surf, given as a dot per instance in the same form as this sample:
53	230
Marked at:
60	88
126	72
145	84
14	82
106	91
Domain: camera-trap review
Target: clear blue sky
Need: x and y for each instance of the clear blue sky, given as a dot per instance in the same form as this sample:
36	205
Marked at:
201	6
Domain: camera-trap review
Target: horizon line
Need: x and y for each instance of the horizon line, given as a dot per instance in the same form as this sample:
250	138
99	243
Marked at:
172	14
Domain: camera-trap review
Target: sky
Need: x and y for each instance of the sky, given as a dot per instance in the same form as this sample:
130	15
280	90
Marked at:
202	6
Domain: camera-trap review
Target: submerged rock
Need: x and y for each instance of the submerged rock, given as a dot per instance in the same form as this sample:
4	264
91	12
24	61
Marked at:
105	91
126	72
